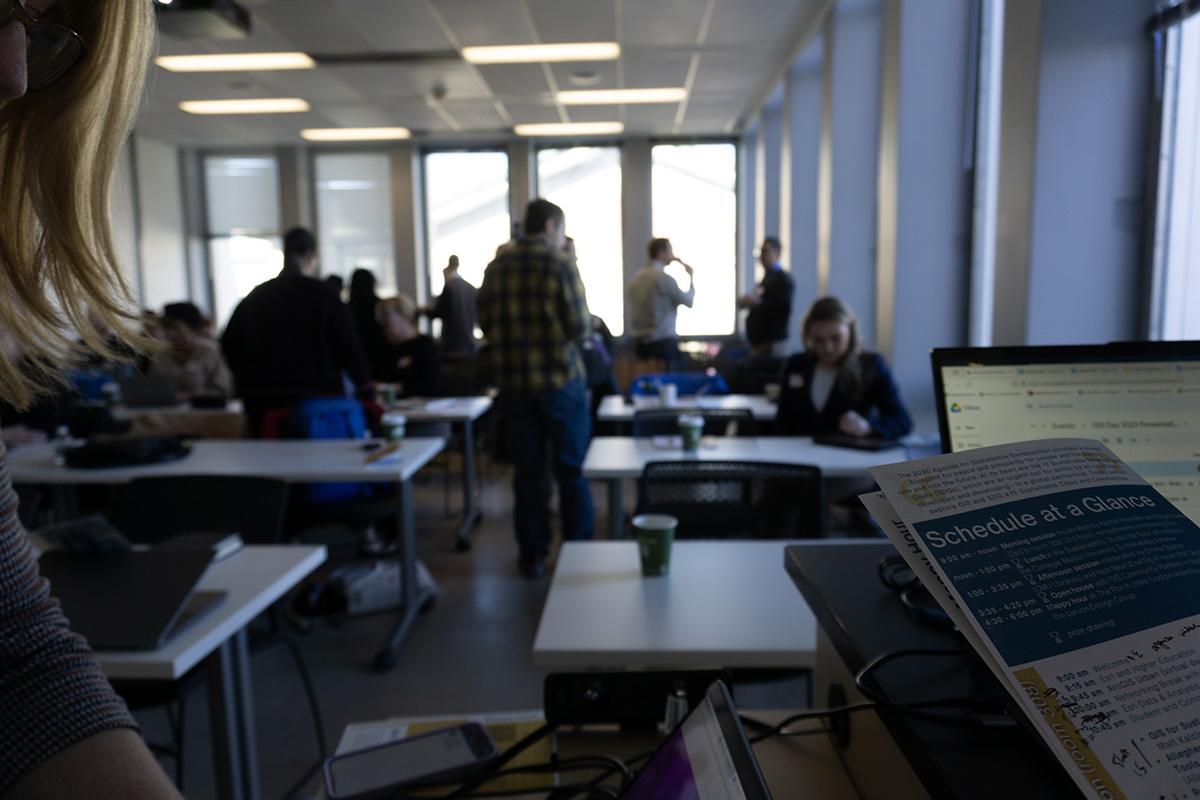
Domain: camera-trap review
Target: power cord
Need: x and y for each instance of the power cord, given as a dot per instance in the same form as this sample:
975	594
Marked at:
895	573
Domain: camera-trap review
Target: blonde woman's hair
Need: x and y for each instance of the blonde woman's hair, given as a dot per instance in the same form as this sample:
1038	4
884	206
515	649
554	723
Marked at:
831	309
58	151
402	304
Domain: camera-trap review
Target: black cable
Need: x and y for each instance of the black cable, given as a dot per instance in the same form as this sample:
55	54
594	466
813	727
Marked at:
916	710
778	730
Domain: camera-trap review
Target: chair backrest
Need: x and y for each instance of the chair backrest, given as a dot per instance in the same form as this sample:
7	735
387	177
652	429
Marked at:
736	499
152	509
717	421
687	383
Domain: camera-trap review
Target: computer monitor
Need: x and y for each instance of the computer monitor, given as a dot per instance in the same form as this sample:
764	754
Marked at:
1142	399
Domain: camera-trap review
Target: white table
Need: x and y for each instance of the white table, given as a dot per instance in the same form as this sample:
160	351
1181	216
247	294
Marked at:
723	604
253	579
297	460
616	458
462	411
614	408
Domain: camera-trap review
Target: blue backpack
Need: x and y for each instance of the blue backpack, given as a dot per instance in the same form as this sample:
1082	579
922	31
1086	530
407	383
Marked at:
329	418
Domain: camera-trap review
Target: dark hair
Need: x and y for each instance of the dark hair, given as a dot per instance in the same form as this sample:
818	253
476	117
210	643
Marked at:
538	214
453	262
656	246
362	298
298	244
831	309
776	245
187	313
335	282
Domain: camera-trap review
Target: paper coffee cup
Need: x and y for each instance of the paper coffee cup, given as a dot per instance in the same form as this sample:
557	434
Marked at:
668	395
387	393
393	426
690	428
655	534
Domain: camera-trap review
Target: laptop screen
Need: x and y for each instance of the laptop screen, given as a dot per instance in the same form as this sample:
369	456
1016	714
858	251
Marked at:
1142	399
707	757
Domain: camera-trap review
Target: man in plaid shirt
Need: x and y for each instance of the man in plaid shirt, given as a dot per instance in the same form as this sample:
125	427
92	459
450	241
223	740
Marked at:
534	312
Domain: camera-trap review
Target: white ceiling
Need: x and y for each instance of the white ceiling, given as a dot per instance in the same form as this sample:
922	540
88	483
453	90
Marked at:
728	53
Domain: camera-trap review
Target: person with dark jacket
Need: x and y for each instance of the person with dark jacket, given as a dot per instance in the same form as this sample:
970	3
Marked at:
409	359
832	387
362	304
291	338
770	305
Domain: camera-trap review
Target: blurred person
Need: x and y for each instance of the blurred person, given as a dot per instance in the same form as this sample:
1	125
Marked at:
533	311
833	387
770	305
362	303
456	308
63	732
194	362
337	283
654	300
292	339
410	359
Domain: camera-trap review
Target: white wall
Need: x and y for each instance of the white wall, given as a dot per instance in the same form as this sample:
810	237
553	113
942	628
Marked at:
1094	97
124	221
162	228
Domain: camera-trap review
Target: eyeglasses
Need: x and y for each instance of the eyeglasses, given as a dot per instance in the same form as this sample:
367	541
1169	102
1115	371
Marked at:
50	50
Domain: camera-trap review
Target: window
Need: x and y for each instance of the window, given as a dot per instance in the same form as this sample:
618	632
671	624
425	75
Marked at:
244	245
586	183
354	217
1177	223
466	207
694	204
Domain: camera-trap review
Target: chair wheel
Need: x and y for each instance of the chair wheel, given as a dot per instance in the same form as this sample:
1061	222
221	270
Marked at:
384	661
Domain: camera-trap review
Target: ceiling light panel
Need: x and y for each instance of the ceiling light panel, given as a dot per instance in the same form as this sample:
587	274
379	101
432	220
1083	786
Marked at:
570	129
595	97
354	134
235	62
540	53
275	105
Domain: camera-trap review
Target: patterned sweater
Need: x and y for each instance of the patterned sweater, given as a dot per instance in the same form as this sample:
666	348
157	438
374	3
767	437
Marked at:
52	693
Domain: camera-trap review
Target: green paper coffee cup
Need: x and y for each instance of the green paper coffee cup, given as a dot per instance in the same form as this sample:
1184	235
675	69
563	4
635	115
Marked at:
393	426
690	428
655	534
387	393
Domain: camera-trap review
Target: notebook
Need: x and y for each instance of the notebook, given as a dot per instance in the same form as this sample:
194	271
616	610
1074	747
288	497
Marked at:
147	392
131	600
707	756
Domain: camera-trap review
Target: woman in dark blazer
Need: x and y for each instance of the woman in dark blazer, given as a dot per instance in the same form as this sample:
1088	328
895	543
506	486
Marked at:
832	387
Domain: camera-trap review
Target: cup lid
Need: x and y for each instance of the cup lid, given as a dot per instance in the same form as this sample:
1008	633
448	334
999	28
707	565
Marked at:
393	418
655	522
691	420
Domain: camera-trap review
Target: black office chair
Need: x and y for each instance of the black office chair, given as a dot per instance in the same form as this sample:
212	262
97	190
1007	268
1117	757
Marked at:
150	510
735	499
717	421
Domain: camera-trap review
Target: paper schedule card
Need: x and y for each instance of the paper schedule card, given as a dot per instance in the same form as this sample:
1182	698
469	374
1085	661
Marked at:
1080	584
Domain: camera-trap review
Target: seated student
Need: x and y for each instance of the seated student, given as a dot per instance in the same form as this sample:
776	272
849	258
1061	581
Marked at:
410	359
194	362
834	388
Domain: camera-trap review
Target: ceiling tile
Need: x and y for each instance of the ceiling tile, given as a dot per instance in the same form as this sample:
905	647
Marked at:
396	26
560	21
485	22
515	79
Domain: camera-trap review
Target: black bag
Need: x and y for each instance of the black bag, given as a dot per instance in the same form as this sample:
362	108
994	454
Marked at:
127	452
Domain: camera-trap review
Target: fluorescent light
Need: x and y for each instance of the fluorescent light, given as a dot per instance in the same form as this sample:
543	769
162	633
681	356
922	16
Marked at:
277	105
606	96
353	134
535	53
235	62
569	128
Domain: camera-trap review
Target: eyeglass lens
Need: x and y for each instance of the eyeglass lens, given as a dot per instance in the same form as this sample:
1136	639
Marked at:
50	50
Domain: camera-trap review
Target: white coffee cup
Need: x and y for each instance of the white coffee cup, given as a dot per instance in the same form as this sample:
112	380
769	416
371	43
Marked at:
668	395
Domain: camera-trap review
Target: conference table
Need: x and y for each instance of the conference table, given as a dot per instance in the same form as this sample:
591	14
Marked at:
723	604
617	409
293	460
616	458
461	411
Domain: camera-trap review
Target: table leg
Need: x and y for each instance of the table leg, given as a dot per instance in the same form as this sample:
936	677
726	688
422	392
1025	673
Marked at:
411	598
616	508
471	513
231	709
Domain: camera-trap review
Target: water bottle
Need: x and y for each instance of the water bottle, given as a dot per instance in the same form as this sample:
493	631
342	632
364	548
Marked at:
62	442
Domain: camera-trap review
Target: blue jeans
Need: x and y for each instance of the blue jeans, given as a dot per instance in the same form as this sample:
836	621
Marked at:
560	419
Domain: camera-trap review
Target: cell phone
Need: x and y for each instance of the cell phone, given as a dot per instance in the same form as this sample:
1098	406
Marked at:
444	755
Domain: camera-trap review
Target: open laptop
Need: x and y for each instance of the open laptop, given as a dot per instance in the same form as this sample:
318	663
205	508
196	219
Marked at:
130	600
1142	399
706	757
145	391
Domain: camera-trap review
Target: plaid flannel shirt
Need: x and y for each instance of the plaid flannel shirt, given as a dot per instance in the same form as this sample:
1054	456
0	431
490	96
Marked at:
533	310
